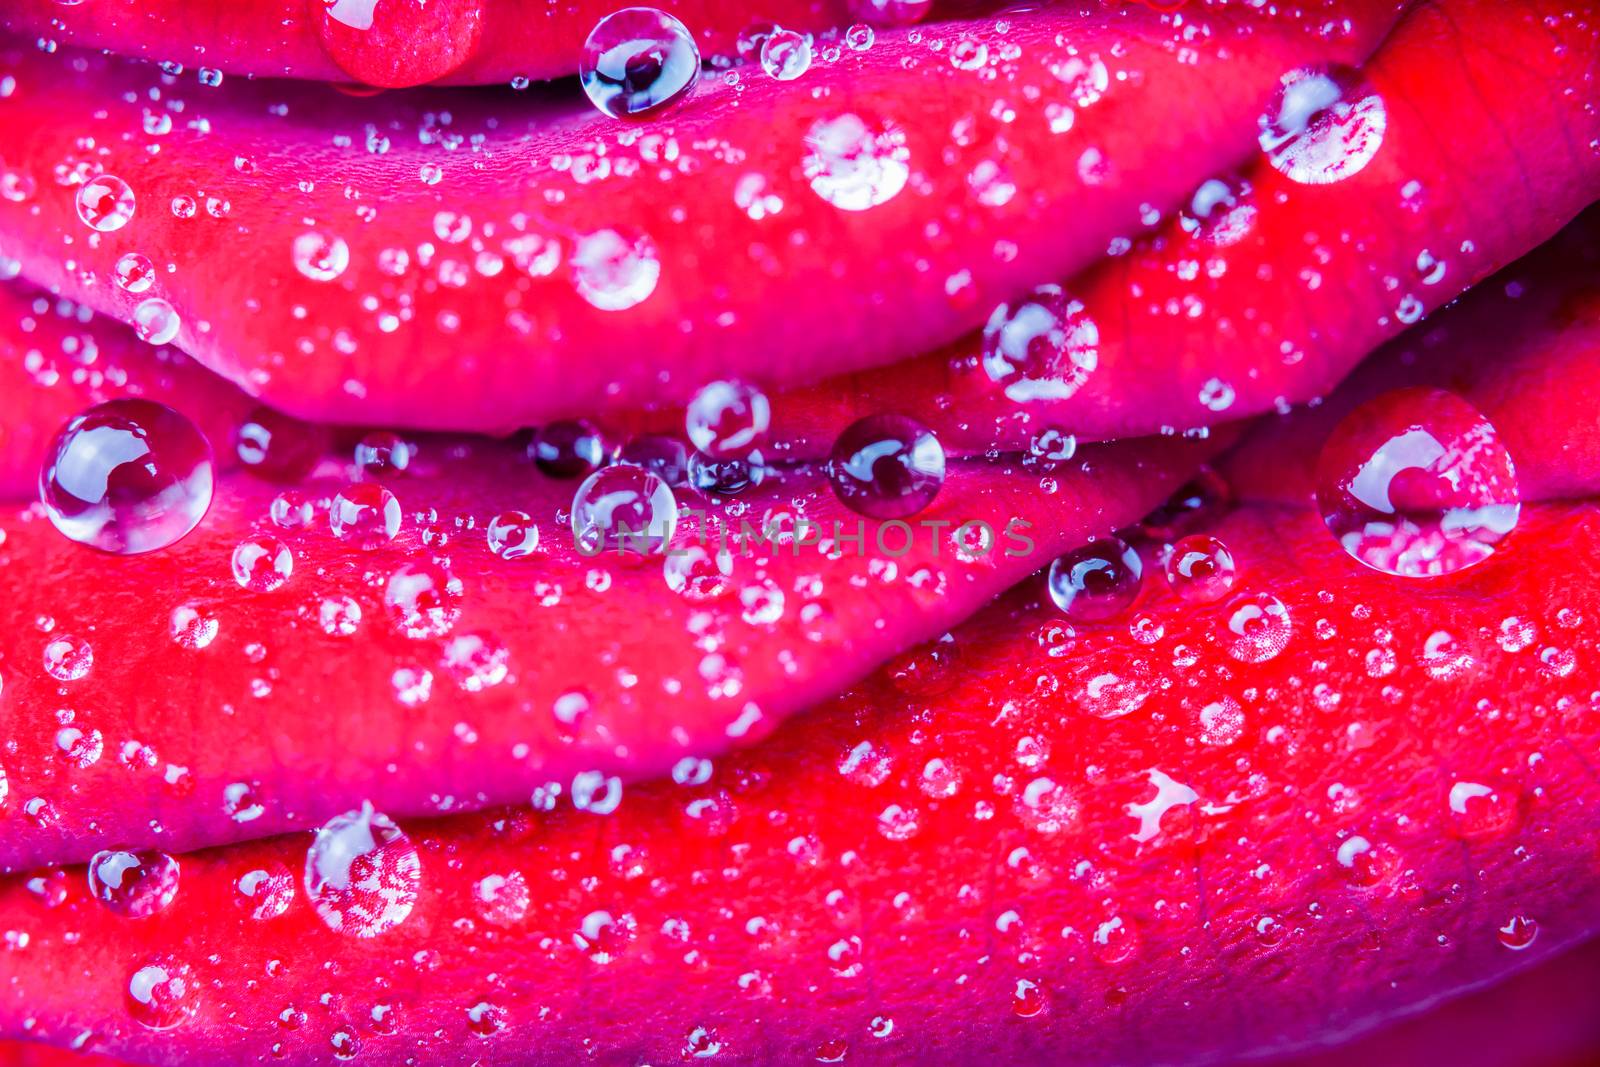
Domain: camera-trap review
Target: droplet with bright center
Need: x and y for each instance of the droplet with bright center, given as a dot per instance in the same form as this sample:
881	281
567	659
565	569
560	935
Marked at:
1043	347
105	203
886	466
1096	582
1323	125
638	62
127	476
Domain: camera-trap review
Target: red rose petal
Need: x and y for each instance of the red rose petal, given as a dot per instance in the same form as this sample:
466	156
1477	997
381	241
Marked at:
370	674
319	269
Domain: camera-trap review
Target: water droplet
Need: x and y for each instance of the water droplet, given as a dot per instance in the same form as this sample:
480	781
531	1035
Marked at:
365	514
363	875
1258	628
382	452
1417	483
1481	812
1028	999
614	271
855	165
1200	569
603	937
502	899
127	476
155	322
1048	807
1042	348
241	802
1518	933
134	273
135	884
162	993
1323	125
785	55
262	564
570	448
1220	212
265	892
68	658
623	509
105	203
699	573
666	457
486	1019
277	447
423	598
513	535
1096	582
339	616
1221	722
728	419
320	256
476	661
886	466
638	62
192	629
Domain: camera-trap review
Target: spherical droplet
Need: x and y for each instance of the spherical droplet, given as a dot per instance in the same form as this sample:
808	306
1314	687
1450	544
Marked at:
105	203
363	875
162	993
155	321
1258	628
728	418
666	457
127	476
1200	569
615	271
623	509
320	256
1096	582
638	62
570	448
365	514
134	273
855	164
275	446
423	598
1042	348
382	453
135	884
886	466
1417	483
67	658
262	564
1323	125
513	535
785	54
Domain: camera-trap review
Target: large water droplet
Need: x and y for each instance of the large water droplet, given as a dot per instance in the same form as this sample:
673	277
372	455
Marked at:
363	874
423	598
105	203
1323	125
623	509
365	514
638	62
728	418
127	476
135	884
1200	569
570	448
1096	582
785	54
319	256
1417	483
156	322
1258	628
1042	348
887	466
262	564
855	164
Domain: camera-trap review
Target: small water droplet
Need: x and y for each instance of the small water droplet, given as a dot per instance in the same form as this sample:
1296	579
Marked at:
1042	348
623	509
728	418
785	54
1258	628
364	514
135	884
1200	569
134	273
68	658
155	321
614	271
887	466
105	203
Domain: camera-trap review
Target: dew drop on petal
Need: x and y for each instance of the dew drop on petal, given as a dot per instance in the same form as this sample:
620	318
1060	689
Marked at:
623	509
135	884
1417	483
855	164
1257	628
785	54
262	564
364	514
1200	569
320	256
265	892
513	535
615	271
363	875
134	273
728	418
886	466
162	993
155	321
638	62
68	658
127	476
105	203
1323	125
1044	347
1096	582
477	661
423	599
